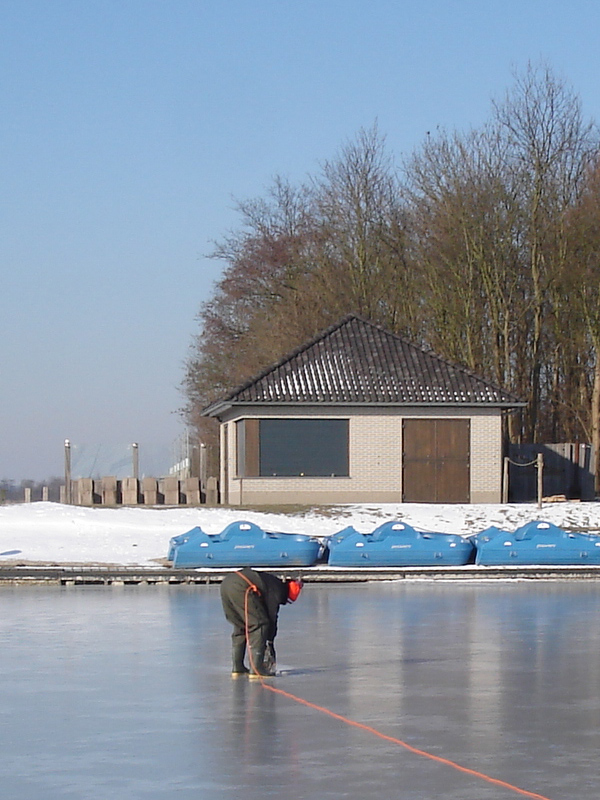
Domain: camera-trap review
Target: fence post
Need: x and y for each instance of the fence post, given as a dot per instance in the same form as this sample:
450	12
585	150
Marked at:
190	489
85	490
130	491
150	491
212	491
136	460
202	470
540	478
68	488
110	491
505	480
169	487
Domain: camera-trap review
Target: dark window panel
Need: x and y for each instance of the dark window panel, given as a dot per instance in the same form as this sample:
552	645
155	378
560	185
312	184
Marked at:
306	447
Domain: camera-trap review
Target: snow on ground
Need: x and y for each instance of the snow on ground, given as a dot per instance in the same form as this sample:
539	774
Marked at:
50	533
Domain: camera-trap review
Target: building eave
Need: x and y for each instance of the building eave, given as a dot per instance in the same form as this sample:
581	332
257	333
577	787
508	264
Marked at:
219	408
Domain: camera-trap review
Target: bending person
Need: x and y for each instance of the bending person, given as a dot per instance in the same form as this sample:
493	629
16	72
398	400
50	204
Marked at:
251	602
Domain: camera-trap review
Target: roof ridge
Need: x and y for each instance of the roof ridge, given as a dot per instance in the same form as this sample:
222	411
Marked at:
356	360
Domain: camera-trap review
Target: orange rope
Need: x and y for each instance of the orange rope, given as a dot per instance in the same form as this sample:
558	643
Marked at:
374	731
251	588
407	746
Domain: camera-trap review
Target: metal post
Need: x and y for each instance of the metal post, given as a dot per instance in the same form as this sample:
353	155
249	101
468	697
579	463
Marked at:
136	460
68	494
202	469
540	478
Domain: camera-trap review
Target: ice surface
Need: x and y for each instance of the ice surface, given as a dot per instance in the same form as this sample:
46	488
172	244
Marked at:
126	693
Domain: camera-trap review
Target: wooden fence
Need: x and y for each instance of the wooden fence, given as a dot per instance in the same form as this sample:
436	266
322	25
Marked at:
110	491
568	469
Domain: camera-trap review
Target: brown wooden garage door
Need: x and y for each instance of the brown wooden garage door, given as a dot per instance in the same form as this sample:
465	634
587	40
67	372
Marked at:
436	454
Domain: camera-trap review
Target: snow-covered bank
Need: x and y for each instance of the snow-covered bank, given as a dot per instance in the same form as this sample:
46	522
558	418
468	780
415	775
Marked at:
49	533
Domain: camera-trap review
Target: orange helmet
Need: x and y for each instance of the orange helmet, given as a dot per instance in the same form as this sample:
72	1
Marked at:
294	589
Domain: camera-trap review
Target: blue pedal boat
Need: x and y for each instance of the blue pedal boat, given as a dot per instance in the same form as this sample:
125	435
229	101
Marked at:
536	543
397	544
243	544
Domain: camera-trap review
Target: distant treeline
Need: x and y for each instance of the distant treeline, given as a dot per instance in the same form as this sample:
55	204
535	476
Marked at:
13	492
484	246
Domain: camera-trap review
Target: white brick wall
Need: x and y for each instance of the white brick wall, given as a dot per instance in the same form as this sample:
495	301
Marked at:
376	452
375	448
486	458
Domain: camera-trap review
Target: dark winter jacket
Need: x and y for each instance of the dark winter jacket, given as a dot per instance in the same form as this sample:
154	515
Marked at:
263	607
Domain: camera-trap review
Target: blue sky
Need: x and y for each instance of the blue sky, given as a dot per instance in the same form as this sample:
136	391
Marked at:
129	127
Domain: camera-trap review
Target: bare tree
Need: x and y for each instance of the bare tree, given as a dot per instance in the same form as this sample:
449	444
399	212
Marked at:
488	211
464	221
362	246
581	289
550	148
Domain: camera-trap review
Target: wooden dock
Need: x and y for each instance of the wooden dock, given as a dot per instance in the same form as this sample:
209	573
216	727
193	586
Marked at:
99	575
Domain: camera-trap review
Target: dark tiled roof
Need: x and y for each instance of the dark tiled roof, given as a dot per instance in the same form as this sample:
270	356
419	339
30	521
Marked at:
356	362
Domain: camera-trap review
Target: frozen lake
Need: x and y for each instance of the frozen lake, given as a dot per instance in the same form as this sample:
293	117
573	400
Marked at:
125	693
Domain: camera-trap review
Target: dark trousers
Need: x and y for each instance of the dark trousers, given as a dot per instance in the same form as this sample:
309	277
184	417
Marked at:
251	631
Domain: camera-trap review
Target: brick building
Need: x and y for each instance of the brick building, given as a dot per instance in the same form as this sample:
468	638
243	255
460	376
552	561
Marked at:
359	415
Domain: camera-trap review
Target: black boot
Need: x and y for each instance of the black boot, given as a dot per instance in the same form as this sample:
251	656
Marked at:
257	642
270	659
238	652
258	669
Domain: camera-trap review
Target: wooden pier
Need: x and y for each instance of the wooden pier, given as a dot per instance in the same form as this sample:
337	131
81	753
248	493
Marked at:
99	575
